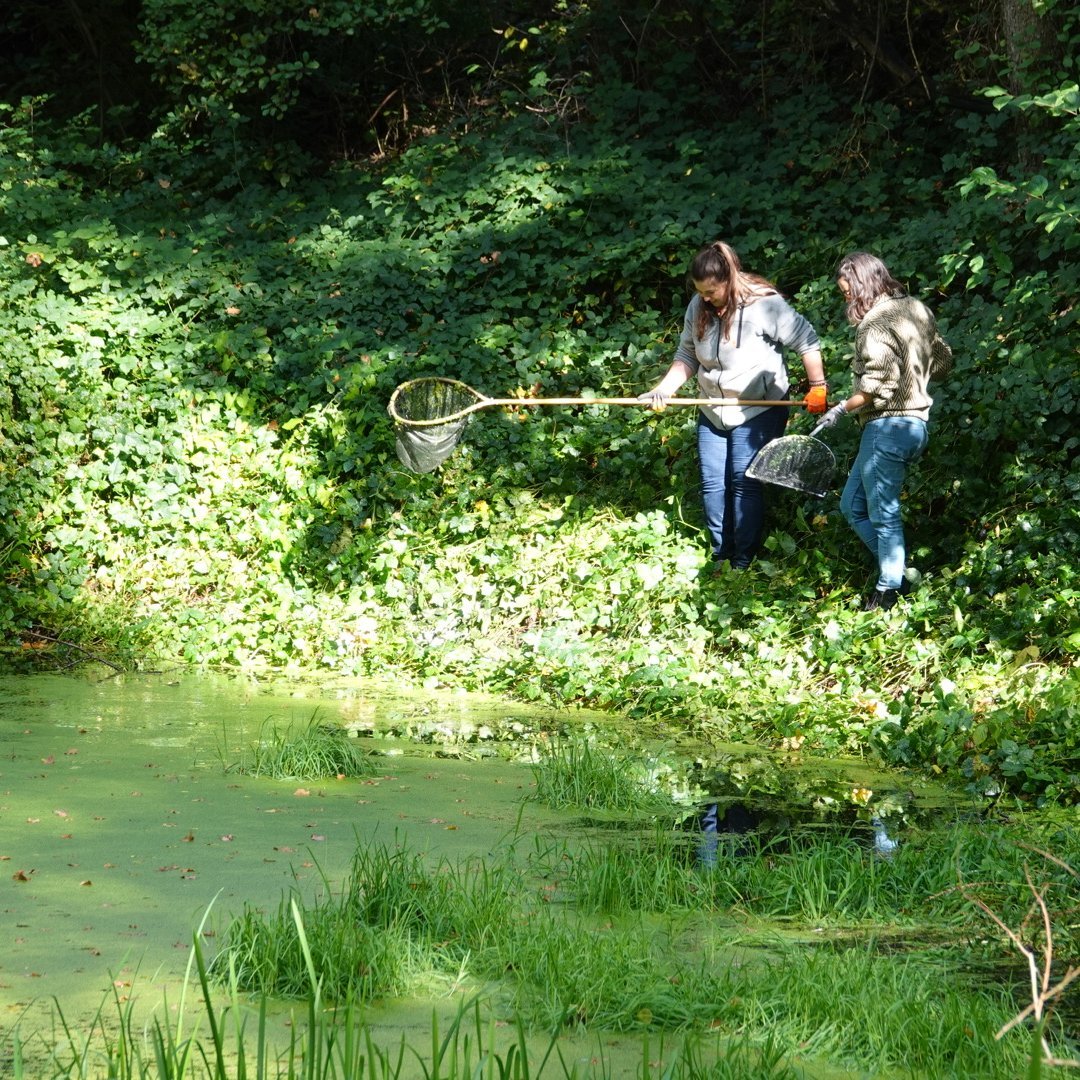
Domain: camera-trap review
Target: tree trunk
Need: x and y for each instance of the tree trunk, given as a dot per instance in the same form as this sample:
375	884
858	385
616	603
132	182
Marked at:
1031	45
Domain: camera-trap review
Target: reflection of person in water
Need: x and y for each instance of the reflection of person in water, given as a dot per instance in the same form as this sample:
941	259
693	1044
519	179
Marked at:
732	819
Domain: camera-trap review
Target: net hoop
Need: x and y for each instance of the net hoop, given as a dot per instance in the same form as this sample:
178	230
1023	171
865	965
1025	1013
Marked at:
799	462
430	402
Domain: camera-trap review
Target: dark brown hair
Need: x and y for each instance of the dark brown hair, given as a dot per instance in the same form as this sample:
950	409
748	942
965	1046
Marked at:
720	262
868	280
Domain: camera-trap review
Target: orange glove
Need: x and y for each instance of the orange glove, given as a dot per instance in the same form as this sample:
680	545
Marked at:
816	401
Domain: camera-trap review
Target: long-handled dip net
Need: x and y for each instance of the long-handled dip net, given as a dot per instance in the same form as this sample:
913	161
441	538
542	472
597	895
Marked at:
430	415
800	462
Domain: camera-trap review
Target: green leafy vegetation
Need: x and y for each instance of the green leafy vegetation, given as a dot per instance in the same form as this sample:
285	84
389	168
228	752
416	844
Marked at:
583	775
209	296
316	751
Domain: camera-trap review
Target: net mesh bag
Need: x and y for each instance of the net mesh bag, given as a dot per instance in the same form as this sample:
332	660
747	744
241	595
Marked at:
425	438
795	461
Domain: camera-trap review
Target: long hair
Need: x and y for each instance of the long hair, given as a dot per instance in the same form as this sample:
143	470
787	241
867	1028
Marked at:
719	261
868	280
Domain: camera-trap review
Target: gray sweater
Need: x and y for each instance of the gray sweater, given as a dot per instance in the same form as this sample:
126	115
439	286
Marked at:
750	362
898	351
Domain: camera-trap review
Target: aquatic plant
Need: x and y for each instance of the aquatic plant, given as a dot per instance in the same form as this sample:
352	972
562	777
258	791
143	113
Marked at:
316	751
582	774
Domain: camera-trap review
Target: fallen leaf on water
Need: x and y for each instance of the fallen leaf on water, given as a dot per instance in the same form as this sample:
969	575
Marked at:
189	838
50	760
437	821
33	820
285	850
316	836
86	882
61	813
21	875
451	828
227	837
71	751
301	791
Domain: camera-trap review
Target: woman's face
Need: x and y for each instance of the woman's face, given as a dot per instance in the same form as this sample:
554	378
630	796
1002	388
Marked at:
713	291
845	287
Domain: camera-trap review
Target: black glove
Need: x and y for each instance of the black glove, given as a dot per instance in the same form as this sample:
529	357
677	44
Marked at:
831	418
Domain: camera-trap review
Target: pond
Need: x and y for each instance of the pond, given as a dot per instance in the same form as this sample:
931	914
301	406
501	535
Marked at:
128	827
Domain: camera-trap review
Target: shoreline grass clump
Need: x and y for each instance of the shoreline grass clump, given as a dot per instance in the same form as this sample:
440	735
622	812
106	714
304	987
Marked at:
316	751
825	876
580	774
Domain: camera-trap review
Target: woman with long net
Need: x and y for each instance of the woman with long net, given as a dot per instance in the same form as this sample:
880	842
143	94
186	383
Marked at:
736	330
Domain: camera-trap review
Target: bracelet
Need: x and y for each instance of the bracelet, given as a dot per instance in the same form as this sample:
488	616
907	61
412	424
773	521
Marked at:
822	382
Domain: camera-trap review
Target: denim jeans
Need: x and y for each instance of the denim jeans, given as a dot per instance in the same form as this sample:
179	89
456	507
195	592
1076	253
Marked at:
871	498
735	504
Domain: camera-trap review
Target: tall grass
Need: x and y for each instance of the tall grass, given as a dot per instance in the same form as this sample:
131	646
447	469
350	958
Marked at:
579	774
339	1045
314	752
815	876
653	960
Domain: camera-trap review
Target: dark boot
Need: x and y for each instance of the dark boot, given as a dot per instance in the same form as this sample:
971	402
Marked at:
881	600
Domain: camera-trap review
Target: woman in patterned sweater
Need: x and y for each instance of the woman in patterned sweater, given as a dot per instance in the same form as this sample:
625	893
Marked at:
897	352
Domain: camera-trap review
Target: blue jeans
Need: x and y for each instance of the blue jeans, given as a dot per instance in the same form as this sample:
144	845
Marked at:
735	504
871	498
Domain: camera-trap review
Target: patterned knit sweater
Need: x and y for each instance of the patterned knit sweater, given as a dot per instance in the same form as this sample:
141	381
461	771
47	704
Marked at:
898	350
